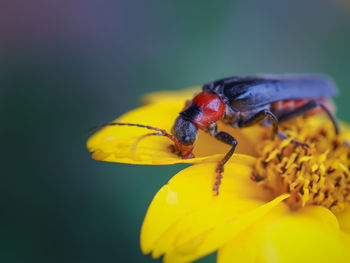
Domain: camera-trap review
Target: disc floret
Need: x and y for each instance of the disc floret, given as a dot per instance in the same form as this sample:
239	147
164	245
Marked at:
315	175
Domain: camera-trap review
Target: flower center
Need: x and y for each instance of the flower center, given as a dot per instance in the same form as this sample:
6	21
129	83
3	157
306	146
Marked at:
318	175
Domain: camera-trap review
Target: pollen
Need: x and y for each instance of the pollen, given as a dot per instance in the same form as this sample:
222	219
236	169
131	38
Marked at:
312	164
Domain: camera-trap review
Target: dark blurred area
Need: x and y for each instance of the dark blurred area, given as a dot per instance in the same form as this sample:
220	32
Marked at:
67	65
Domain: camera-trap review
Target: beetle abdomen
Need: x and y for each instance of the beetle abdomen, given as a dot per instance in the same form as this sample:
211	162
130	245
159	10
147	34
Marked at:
289	105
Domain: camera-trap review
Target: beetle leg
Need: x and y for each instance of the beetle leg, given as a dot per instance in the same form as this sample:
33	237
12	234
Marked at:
228	139
259	117
307	107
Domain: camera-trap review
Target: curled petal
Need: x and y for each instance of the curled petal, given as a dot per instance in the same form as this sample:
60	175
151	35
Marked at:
125	144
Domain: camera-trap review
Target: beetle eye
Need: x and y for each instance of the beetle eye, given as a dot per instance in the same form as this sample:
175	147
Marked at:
186	139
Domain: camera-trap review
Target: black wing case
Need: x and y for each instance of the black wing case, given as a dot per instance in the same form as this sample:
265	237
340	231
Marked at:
246	93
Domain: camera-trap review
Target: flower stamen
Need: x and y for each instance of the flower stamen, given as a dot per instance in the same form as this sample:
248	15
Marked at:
318	175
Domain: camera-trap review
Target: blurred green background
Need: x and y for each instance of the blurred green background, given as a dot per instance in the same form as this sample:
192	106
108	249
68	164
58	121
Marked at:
67	65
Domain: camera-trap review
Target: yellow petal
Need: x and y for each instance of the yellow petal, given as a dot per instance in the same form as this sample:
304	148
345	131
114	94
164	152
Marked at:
345	238
344	219
191	190
120	143
320	214
185	209
244	247
198	222
209	241
171	96
308	235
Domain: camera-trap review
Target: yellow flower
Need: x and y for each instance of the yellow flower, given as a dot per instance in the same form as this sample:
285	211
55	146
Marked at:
278	202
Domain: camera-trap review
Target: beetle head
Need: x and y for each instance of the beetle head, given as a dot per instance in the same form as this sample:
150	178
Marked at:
185	133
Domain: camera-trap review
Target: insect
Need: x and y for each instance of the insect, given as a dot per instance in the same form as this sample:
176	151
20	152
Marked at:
245	101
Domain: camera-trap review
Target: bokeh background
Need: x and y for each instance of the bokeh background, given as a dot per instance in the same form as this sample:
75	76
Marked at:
66	65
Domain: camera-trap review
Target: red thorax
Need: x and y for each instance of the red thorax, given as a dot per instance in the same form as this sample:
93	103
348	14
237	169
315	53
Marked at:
212	109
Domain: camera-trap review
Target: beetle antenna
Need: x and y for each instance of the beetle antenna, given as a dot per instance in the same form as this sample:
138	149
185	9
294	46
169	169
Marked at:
134	145
160	132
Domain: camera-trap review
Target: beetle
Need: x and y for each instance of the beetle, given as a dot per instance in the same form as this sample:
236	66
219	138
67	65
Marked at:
243	101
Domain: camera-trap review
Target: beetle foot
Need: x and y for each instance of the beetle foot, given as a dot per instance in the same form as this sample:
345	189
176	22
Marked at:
304	145
219	170
297	143
216	187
